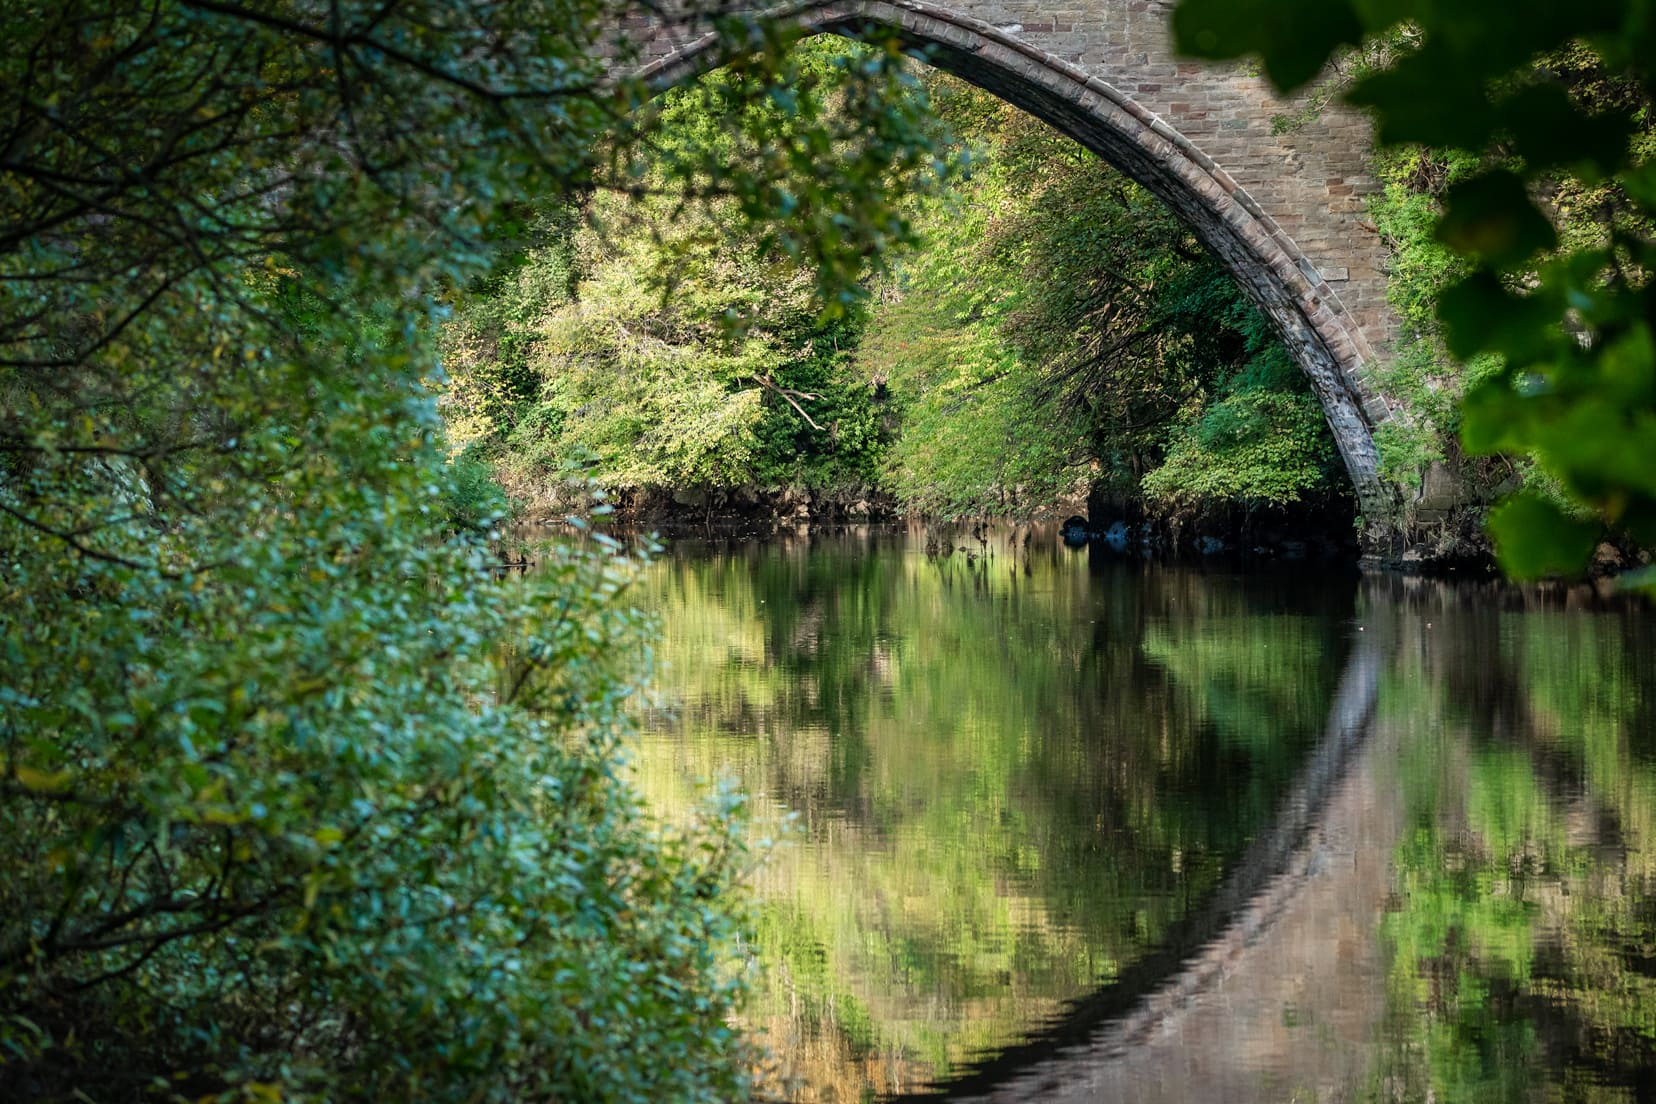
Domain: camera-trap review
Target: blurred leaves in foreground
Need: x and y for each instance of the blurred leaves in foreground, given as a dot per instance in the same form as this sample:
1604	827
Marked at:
1570	319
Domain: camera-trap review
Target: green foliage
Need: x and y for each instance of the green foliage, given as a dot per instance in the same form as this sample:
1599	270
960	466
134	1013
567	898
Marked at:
1249	446
1421	374
662	348
1554	99
755	137
1056	328
300	801
1535	538
1061	327
1489	219
298	795
472	501
488	377
974	439
1405	213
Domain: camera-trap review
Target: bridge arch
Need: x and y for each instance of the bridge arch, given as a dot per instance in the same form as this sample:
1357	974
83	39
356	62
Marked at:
1324	337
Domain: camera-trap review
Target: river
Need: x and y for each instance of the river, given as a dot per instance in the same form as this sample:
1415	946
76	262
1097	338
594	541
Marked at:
1042	823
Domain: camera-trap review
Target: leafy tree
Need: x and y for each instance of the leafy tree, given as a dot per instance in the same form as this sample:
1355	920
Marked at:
1054	327
1555	99
1060	325
298	800
664	346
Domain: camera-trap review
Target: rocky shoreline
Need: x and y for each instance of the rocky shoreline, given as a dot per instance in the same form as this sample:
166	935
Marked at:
1321	533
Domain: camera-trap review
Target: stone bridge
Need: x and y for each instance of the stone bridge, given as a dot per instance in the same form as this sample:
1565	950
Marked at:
1285	211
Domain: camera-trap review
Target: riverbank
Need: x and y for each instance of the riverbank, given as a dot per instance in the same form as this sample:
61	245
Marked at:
1451	544
1322	532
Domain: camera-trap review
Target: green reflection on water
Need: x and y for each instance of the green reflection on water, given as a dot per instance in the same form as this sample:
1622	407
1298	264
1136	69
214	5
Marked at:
1008	773
1522	933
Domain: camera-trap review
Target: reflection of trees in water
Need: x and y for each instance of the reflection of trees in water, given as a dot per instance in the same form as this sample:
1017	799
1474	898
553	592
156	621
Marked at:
1023	769
1086	751
1524	921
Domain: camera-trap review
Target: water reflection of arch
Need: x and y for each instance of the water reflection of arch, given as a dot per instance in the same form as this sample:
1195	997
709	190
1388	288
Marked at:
1208	943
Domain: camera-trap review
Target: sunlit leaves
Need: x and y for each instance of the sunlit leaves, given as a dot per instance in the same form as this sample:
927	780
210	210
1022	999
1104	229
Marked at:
670	344
1061	325
1255	446
773	121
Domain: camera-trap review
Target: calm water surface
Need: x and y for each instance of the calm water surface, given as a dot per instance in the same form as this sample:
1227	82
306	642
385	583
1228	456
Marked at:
1054	826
